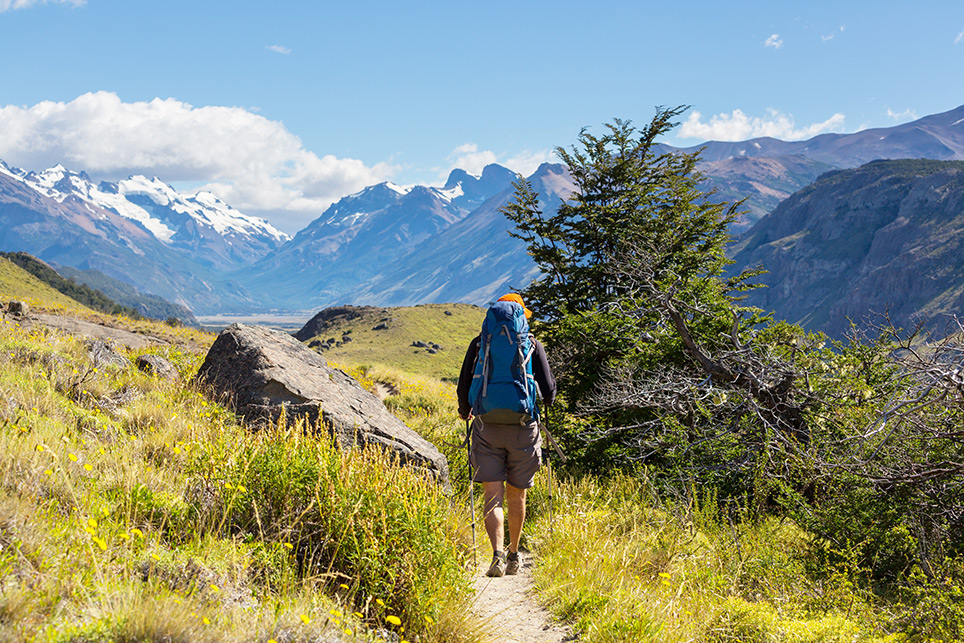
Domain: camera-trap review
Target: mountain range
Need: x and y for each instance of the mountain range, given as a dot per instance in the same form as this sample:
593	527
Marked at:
884	238
387	244
767	170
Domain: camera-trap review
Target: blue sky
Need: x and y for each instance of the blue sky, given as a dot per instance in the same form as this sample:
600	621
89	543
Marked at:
282	107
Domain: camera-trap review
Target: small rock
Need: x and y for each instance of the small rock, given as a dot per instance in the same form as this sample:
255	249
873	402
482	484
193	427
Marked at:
158	366
432	351
436	347
103	354
381	326
18	308
448	312
315	343
420	344
345	339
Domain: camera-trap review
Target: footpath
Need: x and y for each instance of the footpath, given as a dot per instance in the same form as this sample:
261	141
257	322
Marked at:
508	607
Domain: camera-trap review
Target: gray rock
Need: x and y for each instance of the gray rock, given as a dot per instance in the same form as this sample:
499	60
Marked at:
315	343
103	354
432	351
436	347
420	344
259	371
345	339
18	308
448	312
158	366
381	326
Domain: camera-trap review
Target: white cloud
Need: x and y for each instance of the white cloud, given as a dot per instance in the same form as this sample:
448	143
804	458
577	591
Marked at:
7	5
959	38
253	163
832	35
279	49
737	126
468	157
906	115
773	41
526	162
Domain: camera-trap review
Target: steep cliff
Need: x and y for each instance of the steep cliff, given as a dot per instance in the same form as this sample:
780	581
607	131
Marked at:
885	237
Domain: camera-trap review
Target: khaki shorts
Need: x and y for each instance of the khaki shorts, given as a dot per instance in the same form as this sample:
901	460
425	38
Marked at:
506	452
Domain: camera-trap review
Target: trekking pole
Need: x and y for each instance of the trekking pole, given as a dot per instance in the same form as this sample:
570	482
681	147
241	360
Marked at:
468	454
549	472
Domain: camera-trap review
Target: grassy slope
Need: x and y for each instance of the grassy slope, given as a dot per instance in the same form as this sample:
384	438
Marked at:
393	346
17	283
133	508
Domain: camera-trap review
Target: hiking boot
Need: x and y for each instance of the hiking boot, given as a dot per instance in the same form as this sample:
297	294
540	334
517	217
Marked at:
497	568
513	563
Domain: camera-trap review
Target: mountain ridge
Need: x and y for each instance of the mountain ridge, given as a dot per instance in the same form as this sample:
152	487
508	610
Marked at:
384	245
886	237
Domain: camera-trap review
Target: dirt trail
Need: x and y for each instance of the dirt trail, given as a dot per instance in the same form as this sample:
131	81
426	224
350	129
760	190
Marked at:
509	608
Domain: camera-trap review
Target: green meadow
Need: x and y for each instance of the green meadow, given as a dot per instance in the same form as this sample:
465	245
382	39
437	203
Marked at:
135	509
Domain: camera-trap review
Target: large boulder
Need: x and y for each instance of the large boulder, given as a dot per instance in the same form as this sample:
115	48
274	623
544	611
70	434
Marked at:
260	371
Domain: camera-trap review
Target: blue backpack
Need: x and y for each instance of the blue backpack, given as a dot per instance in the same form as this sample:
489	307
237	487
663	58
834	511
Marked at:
503	389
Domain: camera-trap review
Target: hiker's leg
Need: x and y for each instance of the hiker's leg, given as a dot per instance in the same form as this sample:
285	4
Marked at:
516	500
494	518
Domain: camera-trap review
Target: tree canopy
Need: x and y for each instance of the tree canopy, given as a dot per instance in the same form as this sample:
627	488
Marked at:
659	363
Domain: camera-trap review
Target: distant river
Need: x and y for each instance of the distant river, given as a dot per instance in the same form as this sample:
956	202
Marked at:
289	322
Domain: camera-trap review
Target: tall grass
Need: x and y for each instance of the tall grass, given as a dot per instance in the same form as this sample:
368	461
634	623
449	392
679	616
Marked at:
134	509
625	566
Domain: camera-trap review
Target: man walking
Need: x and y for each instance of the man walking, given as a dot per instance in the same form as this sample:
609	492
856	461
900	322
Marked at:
504	370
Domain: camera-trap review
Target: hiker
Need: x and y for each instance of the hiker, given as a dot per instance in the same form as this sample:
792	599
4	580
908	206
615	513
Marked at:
504	370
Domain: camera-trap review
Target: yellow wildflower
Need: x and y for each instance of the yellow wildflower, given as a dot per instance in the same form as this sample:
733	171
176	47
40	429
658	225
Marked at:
394	620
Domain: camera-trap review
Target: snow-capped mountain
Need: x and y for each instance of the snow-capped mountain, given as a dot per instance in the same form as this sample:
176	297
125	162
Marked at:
355	238
214	233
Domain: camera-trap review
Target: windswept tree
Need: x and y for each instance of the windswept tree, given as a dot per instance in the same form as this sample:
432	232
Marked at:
633	297
660	363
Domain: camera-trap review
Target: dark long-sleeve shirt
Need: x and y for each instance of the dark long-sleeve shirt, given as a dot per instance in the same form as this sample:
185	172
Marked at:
540	370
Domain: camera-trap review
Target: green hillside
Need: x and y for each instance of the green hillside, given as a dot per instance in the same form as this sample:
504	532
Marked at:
134	508
127	295
77	291
137	509
17	283
393	345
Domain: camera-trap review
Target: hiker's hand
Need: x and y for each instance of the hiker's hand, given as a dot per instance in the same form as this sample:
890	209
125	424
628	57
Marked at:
466	417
